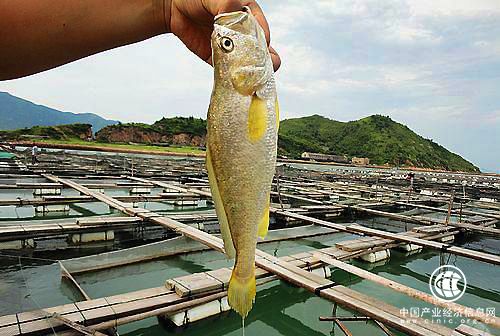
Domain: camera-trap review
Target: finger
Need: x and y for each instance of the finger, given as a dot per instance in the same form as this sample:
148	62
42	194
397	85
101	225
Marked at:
215	7
275	58
209	60
259	16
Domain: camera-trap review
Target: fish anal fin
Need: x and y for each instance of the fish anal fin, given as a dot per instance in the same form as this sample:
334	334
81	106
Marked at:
264	222
277	109
219	209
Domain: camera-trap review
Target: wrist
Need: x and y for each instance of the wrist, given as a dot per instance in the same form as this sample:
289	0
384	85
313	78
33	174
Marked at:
166	14
161	10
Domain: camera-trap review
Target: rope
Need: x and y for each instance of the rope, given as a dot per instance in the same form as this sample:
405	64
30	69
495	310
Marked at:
220	305
29	258
114	312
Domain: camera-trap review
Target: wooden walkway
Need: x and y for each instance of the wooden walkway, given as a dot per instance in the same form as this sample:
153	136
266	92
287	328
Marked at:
53	200
17	230
358	229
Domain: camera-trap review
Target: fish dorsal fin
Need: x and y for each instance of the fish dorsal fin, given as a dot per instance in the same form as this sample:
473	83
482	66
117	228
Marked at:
264	221
220	210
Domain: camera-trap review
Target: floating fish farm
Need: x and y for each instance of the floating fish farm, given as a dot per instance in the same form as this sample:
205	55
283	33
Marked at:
95	243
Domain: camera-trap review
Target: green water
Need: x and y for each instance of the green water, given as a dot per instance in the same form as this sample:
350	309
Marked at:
280	309
5	155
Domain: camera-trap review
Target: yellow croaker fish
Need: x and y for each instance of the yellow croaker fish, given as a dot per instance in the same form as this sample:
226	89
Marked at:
241	144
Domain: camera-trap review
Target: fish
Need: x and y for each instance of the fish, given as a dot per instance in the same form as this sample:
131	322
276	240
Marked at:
242	132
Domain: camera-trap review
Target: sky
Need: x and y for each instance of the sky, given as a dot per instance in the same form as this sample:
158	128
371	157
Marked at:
433	65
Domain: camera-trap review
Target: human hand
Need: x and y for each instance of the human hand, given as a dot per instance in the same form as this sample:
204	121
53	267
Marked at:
192	22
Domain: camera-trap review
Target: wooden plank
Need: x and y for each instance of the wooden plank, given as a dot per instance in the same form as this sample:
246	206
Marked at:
193	284
383	327
41	314
45	322
10	330
67	275
342	327
139	295
362	243
7	320
223	275
466	330
139	306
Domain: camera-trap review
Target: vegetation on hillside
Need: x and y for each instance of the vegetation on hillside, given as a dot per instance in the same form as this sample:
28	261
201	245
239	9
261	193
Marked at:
377	137
61	132
177	125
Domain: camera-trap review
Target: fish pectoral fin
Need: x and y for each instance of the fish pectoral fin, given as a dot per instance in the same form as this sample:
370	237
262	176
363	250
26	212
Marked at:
220	210
264	222
257	119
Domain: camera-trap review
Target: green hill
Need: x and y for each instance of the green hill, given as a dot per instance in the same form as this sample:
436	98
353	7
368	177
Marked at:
377	137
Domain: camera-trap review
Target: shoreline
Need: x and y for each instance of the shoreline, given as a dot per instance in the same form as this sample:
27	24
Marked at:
98	148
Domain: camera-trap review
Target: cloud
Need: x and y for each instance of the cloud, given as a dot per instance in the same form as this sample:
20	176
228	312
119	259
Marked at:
463	8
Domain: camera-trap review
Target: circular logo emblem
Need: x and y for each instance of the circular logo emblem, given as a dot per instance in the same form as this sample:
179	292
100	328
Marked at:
448	283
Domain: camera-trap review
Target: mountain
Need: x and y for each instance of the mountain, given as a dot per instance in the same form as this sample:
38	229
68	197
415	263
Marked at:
376	137
17	113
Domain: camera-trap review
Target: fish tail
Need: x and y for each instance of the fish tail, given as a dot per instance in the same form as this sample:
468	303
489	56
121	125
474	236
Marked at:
241	293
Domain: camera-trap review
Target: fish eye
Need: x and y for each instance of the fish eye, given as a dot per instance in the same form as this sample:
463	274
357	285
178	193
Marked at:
226	44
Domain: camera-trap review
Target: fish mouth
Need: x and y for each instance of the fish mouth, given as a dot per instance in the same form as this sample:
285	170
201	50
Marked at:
232	18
